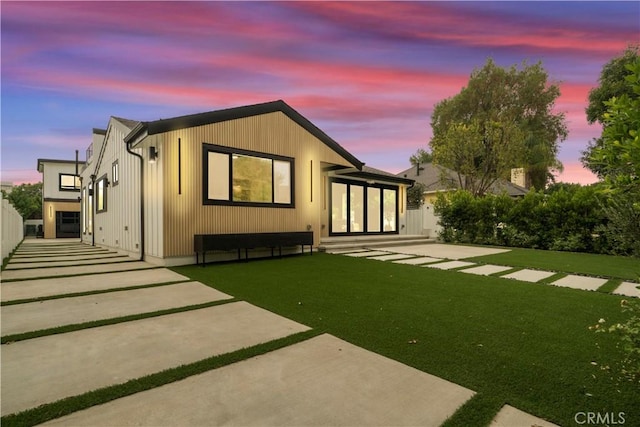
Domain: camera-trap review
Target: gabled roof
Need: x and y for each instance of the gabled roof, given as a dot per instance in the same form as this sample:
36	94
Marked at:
201	119
129	124
439	178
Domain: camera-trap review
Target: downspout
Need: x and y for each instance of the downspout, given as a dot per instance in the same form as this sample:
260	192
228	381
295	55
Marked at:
141	199
79	198
93	210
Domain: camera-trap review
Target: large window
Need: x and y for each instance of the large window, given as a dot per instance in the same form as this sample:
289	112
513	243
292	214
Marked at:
68	182
241	177
101	194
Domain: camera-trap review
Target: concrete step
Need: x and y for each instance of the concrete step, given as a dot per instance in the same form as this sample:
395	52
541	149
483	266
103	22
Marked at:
328	244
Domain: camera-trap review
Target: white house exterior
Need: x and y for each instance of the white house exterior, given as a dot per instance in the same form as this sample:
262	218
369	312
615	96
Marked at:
60	198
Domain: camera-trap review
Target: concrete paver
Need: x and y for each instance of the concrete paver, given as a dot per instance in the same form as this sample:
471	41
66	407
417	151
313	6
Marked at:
367	254
418	261
345	251
67	257
512	417
321	381
528	275
49	368
485	270
66	311
390	257
38	288
438	250
580	282
628	289
84	269
68	262
449	265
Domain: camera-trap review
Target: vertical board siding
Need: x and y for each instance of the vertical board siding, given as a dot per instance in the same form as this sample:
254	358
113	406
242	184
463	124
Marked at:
119	227
185	215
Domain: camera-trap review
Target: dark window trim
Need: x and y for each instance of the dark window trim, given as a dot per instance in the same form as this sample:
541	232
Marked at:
366	185
60	175
104	193
115	178
208	148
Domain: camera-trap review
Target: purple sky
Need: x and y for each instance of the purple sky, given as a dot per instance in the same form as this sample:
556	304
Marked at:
368	74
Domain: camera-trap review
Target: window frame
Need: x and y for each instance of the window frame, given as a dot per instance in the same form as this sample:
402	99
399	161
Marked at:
76	181
104	181
230	152
115	173
365	227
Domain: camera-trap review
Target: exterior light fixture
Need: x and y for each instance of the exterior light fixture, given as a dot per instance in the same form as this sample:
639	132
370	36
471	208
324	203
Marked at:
153	154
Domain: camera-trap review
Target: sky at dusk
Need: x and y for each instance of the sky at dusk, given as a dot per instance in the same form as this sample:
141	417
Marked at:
366	73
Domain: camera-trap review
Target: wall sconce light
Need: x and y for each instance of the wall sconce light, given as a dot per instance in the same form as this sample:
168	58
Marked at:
153	154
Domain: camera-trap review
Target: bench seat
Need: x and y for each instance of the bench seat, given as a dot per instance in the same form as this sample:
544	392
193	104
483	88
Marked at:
203	243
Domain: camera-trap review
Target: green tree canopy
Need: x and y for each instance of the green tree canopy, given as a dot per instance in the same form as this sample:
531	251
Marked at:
502	119
420	157
27	199
618	156
612	84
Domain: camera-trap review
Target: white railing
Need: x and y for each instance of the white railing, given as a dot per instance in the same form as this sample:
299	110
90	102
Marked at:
12	228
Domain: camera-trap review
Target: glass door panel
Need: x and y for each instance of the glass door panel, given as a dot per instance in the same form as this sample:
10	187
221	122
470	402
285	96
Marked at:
356	211
373	210
390	202
338	207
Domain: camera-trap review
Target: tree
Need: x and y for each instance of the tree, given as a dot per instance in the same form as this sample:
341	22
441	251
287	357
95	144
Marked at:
26	198
502	119
421	157
611	84
617	159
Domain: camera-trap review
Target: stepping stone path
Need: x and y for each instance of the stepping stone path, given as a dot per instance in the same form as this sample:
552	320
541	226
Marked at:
629	289
527	275
414	255
449	265
580	282
511	417
390	257
418	261
485	270
366	254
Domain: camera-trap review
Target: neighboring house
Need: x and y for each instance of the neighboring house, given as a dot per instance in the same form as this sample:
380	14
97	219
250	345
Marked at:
438	179
149	187
60	198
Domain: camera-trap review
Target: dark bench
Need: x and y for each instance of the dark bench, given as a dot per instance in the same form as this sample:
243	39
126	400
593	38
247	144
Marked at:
203	243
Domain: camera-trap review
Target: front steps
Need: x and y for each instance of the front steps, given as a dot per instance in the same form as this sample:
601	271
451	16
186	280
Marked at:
329	244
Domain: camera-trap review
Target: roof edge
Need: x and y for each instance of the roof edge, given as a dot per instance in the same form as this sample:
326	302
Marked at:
217	116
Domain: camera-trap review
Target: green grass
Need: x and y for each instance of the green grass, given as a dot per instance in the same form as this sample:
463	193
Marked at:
512	342
607	266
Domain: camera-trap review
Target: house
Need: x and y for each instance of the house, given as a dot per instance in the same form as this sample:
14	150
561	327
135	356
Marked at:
149	187
60	198
438	179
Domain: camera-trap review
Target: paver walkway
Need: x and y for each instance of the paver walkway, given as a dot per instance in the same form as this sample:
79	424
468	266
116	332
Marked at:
323	381
283	387
66	311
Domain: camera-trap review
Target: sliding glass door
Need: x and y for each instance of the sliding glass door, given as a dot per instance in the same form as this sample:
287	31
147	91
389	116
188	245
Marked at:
361	208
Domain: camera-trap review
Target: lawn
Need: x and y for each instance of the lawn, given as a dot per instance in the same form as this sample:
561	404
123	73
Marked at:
613	267
512	342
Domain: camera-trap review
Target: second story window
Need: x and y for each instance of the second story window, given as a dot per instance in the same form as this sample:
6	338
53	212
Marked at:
68	182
